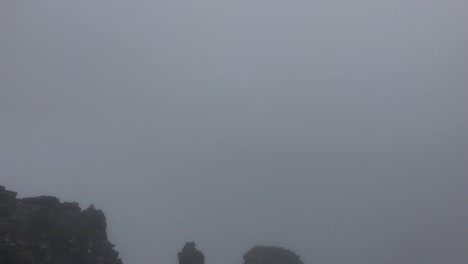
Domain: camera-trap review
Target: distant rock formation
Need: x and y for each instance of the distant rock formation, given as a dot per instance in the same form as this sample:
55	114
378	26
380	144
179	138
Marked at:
271	255
44	230
191	255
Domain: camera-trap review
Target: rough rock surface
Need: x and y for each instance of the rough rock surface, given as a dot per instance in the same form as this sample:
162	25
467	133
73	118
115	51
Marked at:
271	255
191	255
43	230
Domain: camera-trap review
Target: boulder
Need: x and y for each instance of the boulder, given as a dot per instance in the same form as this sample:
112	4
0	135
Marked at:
191	255
271	255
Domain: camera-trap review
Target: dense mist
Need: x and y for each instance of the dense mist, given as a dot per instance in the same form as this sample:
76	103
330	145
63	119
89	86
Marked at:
335	128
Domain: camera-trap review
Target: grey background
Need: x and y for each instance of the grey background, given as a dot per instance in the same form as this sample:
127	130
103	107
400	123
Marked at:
338	128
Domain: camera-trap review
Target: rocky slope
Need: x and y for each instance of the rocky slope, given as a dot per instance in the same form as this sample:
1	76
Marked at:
44	230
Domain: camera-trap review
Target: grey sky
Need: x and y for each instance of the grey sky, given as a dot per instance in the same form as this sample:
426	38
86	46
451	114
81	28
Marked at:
337	128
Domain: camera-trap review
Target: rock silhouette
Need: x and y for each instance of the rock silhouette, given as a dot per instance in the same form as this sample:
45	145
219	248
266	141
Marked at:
271	255
191	255
44	230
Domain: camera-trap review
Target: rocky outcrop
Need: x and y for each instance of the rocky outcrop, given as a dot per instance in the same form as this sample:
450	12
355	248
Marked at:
271	255
191	255
43	230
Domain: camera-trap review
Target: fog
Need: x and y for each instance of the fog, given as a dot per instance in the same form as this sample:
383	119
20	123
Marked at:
337	129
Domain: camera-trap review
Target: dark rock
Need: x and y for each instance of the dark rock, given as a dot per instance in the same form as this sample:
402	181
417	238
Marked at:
271	255
7	201
43	230
191	255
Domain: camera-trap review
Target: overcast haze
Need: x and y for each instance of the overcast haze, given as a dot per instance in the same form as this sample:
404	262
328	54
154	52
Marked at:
338	129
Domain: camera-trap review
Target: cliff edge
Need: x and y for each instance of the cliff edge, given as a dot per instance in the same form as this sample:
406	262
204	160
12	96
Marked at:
44	230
